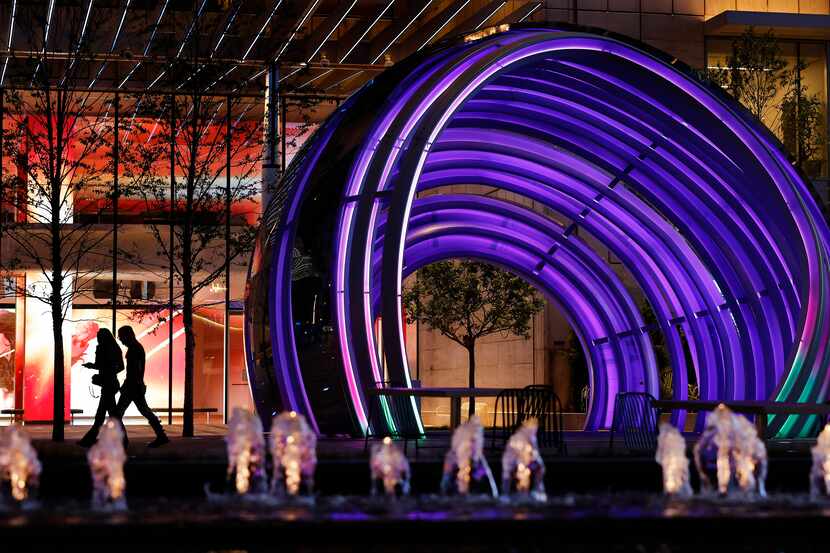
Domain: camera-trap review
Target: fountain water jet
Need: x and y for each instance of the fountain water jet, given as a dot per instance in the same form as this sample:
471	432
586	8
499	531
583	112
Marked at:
390	469
730	452
820	471
671	455
106	463
19	464
293	449
246	452
523	471
465	469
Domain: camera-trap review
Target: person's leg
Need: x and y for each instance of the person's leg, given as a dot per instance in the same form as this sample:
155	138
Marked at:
120	408
112	405
123	403
147	413
100	415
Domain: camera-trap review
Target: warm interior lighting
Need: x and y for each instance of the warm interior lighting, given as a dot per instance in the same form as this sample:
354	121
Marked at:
491	14
486	32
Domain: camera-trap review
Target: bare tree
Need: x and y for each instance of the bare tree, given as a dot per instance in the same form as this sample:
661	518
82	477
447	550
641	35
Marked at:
60	135
204	136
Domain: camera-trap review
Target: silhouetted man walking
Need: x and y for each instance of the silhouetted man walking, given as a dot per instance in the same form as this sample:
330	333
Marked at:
134	390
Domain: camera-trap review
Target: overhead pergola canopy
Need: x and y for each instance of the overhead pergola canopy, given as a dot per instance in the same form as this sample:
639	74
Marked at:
694	197
321	47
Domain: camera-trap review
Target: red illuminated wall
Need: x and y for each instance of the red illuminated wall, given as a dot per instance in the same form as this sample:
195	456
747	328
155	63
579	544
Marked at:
30	335
38	375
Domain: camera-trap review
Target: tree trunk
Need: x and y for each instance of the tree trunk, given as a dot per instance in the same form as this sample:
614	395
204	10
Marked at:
471	353
58	363
58	399
189	345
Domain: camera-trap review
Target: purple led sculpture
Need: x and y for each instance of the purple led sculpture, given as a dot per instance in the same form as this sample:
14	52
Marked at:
695	197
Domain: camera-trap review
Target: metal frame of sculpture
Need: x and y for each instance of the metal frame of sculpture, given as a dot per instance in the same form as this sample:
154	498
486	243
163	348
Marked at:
619	141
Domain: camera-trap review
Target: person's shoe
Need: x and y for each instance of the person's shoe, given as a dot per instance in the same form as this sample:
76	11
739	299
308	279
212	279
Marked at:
159	441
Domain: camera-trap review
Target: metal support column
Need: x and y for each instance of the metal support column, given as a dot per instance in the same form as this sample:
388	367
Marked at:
227	331
170	311
271	168
2	187
115	197
283	148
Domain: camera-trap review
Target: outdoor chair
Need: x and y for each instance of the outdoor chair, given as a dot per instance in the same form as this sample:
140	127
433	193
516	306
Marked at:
507	415
516	405
399	409
636	418
542	403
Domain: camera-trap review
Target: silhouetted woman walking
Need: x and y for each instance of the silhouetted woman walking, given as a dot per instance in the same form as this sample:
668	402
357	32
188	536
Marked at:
108	363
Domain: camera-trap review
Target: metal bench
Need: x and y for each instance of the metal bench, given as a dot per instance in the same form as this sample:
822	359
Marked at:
18	414
759	409
13	414
171	410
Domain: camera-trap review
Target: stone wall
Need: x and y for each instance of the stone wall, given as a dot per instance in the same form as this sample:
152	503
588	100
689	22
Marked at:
674	26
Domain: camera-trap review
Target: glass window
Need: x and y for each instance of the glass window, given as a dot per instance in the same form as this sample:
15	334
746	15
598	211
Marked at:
239	393
813	115
153	334
8	329
791	102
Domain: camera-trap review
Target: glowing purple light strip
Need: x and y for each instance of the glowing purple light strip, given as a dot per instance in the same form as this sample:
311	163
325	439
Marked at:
715	336
439	217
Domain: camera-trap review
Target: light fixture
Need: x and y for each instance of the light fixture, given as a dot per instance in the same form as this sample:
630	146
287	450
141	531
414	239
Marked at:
444	24
402	31
334	28
366	31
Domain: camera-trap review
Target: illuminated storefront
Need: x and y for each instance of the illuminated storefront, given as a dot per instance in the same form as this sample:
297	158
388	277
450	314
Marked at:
144	289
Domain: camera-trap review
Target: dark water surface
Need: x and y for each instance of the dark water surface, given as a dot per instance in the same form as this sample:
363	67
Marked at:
573	523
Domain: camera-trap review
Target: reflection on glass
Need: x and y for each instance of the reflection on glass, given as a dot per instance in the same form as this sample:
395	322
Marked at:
7	343
791	102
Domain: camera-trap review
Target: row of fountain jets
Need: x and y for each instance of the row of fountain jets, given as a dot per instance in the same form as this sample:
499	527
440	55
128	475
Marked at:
729	457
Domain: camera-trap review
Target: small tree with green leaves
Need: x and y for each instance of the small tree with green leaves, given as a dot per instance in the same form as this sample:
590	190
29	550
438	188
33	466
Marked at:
802	121
755	74
467	300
